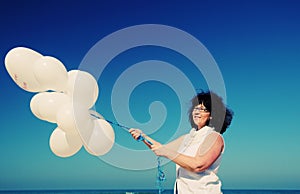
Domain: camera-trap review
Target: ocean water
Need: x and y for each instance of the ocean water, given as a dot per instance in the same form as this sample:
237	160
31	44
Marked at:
143	192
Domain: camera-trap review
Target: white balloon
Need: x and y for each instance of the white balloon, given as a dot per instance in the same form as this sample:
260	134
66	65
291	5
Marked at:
45	105
19	65
51	74
34	106
101	140
64	144
75	118
82	87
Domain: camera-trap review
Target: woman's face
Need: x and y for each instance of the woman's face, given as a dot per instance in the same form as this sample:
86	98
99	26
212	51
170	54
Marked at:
200	115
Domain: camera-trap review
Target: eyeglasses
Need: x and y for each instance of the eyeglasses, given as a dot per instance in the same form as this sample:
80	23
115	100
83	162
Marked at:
200	109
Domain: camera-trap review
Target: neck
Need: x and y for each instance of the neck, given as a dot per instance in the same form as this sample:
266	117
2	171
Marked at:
200	127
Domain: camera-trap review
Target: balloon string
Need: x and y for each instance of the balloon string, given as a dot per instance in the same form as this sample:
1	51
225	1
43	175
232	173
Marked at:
140	138
117	124
160	174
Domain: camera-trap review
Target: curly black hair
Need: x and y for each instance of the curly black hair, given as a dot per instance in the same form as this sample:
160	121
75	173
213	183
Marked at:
220	114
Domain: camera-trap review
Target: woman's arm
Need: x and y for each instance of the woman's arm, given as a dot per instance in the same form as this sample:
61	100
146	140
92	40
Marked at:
207	154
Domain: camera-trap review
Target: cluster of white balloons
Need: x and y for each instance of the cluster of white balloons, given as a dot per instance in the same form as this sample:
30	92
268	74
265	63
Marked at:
63	97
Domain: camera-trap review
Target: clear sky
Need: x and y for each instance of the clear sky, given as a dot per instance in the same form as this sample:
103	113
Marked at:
255	44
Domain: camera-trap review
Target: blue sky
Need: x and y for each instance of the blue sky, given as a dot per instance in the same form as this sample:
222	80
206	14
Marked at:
256	45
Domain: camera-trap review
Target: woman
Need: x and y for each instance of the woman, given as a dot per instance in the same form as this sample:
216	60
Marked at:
197	154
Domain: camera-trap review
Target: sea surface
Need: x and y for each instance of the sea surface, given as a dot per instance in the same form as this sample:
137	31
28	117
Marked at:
142	192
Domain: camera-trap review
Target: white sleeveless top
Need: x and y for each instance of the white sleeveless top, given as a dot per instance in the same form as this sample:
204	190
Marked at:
205	182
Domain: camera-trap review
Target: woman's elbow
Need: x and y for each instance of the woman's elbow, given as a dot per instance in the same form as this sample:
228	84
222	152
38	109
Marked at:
199	167
196	168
